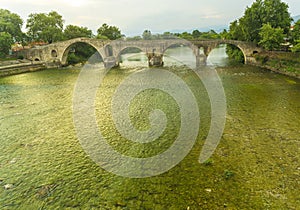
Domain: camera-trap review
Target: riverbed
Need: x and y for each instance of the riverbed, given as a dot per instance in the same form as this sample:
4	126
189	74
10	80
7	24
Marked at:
255	166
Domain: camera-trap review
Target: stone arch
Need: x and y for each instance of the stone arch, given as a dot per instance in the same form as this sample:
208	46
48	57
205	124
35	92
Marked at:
186	53
229	43
126	48
184	43
67	48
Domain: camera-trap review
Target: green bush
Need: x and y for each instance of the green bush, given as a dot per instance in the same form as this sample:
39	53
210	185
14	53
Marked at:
296	48
234	53
228	174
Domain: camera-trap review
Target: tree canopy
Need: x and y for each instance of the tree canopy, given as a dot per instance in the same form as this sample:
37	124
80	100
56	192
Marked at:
11	23
272	12
296	32
45	27
6	41
72	31
110	32
271	38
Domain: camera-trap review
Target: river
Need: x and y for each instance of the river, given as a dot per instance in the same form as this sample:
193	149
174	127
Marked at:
255	166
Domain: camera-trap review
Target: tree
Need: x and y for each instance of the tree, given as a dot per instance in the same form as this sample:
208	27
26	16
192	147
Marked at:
196	34
72	31
296	47
249	25
45	27
111	32
147	35
271	38
167	35
6	40
11	23
273	12
277	15
186	35
234	53
295	34
211	34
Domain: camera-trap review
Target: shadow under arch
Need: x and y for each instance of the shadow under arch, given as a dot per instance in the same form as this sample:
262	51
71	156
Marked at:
84	51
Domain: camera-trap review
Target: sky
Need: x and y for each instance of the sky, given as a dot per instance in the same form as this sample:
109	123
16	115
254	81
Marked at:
135	16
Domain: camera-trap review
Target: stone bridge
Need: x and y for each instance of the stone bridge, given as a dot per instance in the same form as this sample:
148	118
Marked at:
56	54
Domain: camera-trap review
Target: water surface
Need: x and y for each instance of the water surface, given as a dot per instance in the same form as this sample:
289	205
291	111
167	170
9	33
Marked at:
256	165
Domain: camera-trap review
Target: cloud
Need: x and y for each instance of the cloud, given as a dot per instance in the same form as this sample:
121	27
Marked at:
134	16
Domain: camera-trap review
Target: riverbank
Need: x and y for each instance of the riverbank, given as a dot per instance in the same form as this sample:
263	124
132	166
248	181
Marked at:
286	63
13	67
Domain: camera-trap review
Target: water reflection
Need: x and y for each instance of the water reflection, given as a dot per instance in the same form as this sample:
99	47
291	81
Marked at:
218	56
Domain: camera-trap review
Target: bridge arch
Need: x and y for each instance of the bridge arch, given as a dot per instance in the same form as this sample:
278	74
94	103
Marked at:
128	48
180	44
66	49
209	53
237	45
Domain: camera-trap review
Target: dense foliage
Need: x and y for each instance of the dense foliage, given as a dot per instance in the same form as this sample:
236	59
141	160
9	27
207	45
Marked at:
45	27
10	31
72	31
296	37
271	38
109	32
266	23
11	23
272	12
6	40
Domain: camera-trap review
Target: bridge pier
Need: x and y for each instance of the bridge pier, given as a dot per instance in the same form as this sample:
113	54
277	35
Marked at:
155	59
201	60
110	62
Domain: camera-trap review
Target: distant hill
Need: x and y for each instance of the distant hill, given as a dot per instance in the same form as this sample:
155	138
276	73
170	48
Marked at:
296	18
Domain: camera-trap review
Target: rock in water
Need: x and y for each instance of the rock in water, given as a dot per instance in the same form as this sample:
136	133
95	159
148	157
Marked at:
8	186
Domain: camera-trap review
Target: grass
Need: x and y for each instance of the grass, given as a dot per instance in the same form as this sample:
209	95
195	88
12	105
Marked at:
7	59
284	61
228	174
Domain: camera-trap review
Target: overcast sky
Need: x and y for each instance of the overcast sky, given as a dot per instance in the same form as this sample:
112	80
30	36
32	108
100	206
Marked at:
134	16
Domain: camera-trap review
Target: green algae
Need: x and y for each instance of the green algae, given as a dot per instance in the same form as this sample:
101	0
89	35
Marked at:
256	165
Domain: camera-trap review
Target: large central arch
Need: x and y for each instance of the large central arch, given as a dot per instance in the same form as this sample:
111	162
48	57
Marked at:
67	48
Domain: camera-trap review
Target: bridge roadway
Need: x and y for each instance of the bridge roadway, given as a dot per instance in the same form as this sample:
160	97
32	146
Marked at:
110	51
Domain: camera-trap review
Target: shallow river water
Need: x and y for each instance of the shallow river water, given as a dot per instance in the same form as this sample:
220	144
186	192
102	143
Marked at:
255	166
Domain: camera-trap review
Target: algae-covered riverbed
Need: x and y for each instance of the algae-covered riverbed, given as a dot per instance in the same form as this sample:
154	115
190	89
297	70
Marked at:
255	166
